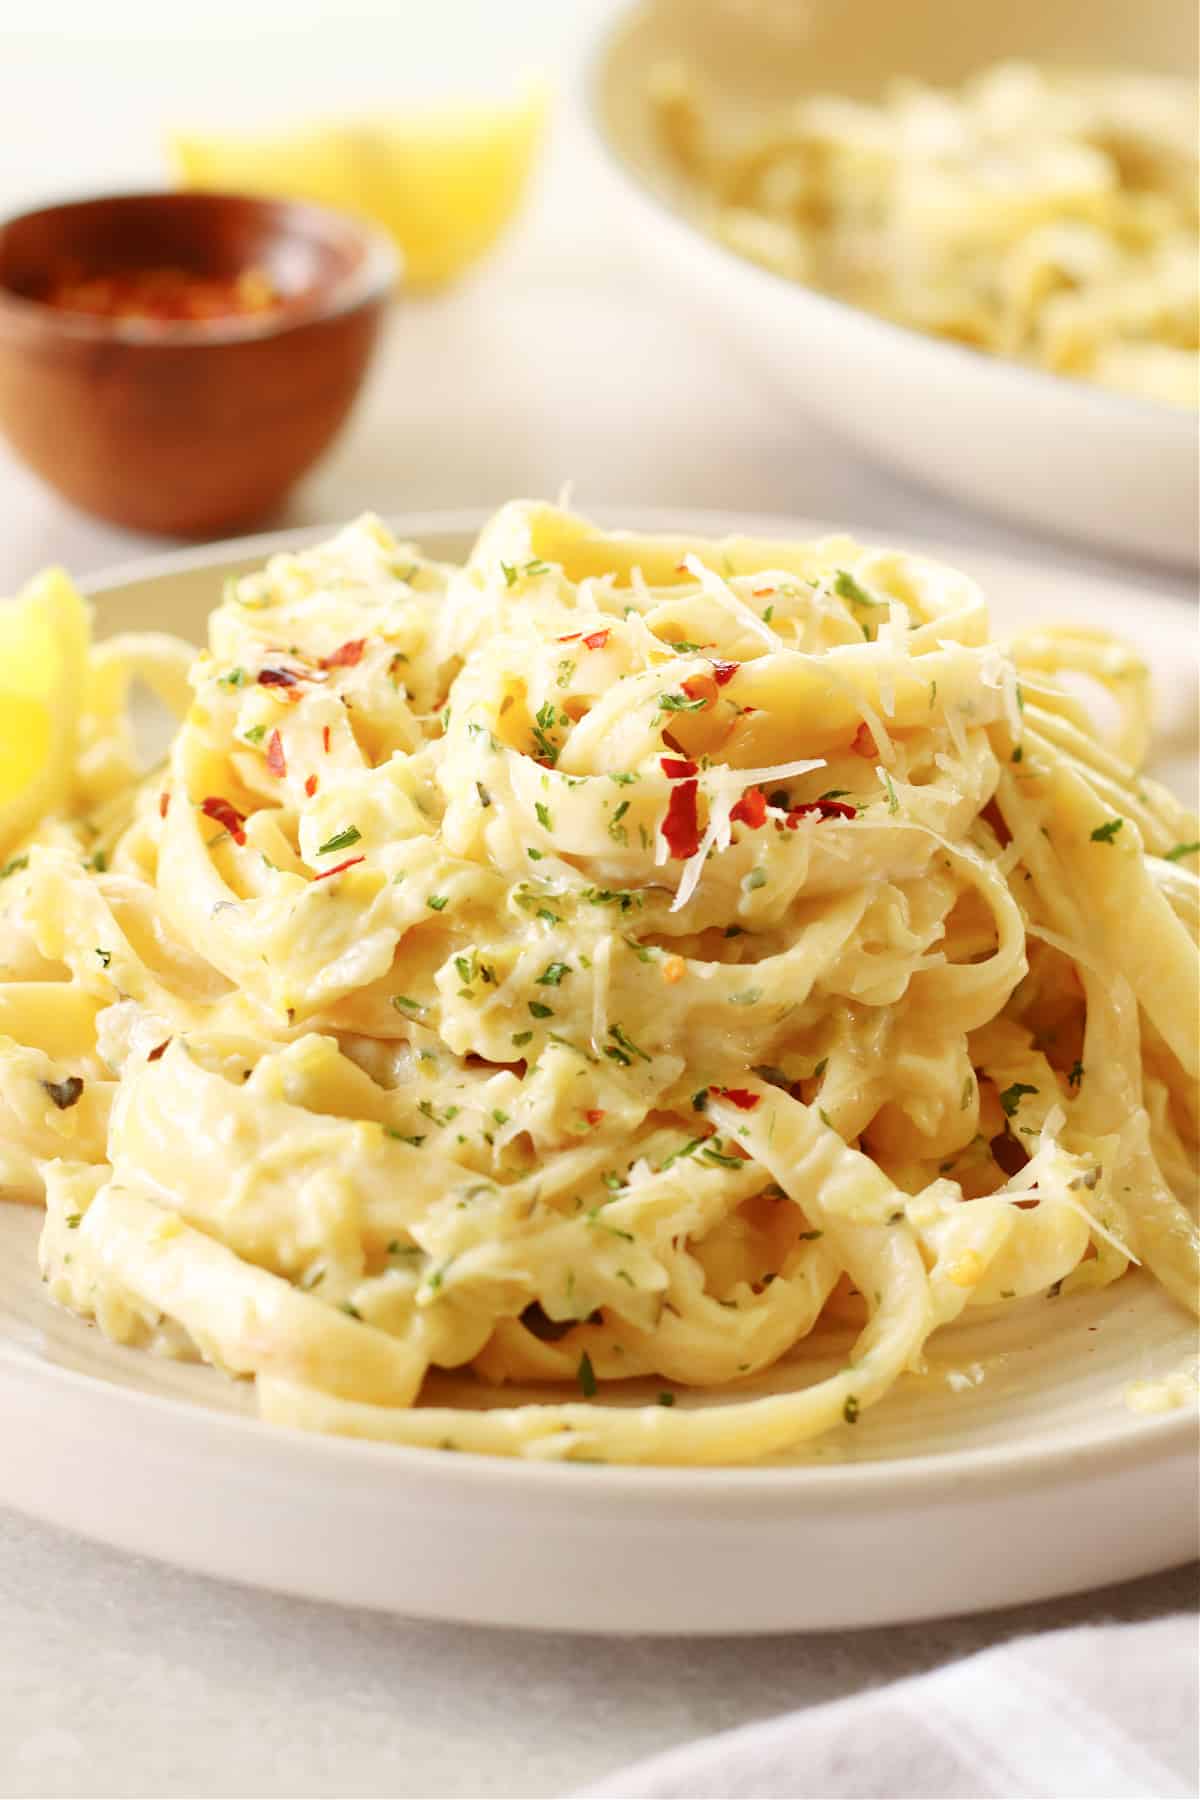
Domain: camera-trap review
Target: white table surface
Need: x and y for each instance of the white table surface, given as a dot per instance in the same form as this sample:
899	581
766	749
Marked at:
558	361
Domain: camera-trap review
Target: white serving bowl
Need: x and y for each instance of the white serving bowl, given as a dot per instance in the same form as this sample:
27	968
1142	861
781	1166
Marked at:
1109	469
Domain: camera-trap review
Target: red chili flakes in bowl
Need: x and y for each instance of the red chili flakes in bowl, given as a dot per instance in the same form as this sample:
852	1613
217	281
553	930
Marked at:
169	295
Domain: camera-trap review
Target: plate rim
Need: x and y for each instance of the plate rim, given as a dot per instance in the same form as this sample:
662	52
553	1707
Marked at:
883	1481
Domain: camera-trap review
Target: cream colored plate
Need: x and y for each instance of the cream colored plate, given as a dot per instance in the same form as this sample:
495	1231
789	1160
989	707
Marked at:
1014	1469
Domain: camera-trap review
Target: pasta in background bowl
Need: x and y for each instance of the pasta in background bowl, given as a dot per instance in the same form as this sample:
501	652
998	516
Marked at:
870	196
606	964
1048	218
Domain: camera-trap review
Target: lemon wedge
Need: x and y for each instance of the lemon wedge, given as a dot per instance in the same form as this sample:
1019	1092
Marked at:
444	184
43	667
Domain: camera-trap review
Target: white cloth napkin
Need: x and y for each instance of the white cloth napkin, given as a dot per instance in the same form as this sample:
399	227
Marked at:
1101	1713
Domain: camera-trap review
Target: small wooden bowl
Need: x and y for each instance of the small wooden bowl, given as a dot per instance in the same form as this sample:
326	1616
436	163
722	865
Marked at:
184	427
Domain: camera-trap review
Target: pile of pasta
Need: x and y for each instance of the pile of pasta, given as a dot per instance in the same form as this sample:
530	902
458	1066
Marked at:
612	958
1043	216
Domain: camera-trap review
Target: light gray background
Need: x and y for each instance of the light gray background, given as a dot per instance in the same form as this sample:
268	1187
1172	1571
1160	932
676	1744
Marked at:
559	361
124	1678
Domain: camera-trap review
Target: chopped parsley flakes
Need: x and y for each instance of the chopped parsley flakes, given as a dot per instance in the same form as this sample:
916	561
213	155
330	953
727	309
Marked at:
623	1049
1104	834
586	1377
847	588
712	1155
615	828
341	840
687	1149
544	745
621	897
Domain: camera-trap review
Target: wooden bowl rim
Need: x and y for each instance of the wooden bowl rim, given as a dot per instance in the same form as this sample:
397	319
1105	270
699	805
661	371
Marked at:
374	275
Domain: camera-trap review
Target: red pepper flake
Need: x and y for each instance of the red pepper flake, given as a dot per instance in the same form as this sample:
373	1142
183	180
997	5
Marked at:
682	569
346	655
678	768
325	738
827	809
277	678
751	809
724	671
310	786
164	805
701	687
761	593
276	760
680	828
338	867
596	640
158	1050
160	294
572	637
742	1098
224	814
594	1115
864	743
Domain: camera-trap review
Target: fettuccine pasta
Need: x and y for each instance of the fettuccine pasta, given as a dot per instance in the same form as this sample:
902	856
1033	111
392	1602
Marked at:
613	958
1036	214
